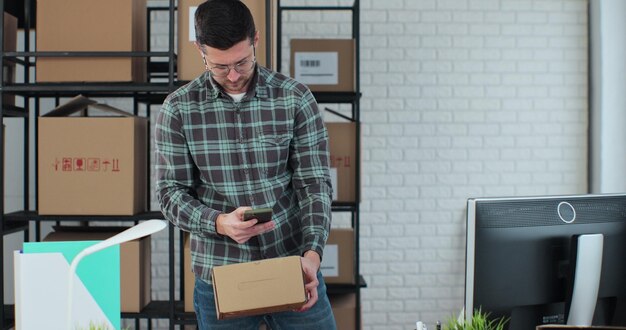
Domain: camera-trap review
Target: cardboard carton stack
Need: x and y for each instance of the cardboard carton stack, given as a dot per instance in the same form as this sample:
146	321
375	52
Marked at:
338	262
343	160
189	61
325	65
91	26
10	45
91	165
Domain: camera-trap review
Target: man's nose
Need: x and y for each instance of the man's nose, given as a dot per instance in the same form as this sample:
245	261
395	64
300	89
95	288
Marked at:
233	75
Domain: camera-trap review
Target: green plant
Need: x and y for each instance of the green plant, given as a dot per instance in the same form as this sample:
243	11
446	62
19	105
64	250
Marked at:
479	321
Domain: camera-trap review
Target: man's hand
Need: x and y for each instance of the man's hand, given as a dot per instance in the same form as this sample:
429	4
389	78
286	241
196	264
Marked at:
310	265
233	226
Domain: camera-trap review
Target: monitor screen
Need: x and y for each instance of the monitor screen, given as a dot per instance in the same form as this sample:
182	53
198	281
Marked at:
521	253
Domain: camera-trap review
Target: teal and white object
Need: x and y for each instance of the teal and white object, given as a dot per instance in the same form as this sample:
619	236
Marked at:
72	285
42	286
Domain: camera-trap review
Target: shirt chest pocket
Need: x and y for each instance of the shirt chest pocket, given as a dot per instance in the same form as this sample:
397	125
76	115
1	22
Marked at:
272	151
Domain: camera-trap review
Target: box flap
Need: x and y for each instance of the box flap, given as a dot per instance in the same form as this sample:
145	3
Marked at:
79	103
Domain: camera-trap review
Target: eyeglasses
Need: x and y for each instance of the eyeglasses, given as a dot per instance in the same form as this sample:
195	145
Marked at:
242	67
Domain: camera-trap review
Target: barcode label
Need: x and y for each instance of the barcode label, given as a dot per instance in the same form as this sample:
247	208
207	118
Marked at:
310	63
317	68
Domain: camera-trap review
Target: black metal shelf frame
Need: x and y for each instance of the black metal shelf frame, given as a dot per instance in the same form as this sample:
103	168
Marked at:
352	98
147	93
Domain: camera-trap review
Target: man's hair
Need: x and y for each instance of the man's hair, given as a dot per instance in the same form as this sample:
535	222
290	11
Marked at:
223	23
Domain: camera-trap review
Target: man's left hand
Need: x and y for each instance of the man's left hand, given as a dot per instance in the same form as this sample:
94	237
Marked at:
310	266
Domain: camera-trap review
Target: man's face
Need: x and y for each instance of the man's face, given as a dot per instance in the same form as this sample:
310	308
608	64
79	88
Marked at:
232	68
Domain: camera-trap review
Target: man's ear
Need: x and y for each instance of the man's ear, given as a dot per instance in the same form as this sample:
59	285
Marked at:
256	39
199	48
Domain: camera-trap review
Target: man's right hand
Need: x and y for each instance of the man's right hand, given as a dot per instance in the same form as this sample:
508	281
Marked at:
233	226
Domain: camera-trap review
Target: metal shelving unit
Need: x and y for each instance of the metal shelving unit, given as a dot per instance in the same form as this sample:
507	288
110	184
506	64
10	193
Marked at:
141	93
352	98
162	81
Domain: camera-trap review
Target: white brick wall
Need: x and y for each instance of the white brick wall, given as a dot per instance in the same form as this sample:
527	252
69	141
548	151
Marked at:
461	98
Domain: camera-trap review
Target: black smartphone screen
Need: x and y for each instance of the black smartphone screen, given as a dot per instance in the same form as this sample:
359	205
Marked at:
262	215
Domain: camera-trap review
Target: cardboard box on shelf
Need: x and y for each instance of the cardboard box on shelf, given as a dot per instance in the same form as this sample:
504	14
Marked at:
338	262
189	61
91	165
189	276
344	310
325	65
135	263
343	161
258	287
10	45
91	25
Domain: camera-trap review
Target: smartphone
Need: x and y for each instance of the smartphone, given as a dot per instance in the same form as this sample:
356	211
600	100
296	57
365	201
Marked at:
262	215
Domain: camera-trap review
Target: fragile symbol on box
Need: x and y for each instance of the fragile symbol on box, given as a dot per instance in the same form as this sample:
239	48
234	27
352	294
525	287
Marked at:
93	164
340	161
81	164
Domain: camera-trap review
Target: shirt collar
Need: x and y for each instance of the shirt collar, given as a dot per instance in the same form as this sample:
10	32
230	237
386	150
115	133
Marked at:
258	86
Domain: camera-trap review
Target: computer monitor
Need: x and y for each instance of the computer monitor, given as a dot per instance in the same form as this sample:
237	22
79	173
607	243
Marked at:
522	255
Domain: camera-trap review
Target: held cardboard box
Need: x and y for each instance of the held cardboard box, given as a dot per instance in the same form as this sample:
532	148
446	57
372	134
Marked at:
338	262
343	161
135	277
189	61
325	65
91	25
258	287
189	276
91	165
10	45
344	310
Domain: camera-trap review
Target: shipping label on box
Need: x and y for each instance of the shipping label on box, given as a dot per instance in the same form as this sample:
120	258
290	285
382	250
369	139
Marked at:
91	165
317	68
330	263
338	262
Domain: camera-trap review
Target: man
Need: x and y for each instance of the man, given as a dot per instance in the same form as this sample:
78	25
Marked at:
238	137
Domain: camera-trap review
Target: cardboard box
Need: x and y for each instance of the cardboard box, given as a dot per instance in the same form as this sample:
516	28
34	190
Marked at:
189	276
91	25
338	262
135	262
344	310
91	165
343	161
259	287
189	61
325	65
10	45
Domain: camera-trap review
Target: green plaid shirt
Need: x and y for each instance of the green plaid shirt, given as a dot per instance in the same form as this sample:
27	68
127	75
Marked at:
269	150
